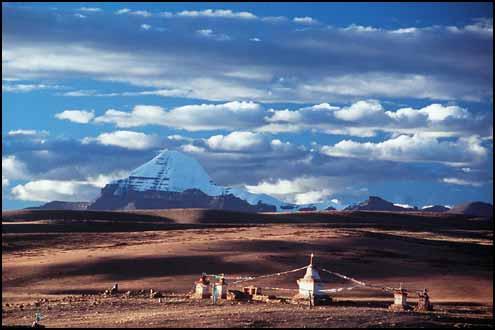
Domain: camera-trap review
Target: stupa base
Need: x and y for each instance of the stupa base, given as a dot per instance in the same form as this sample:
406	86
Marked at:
319	300
399	308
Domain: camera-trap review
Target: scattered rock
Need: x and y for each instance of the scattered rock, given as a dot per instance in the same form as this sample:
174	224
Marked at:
155	294
114	289
424	303
37	325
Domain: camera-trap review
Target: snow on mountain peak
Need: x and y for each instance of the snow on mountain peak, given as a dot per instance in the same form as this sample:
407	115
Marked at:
171	171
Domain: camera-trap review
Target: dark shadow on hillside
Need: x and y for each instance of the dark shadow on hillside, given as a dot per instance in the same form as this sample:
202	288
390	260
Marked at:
95	226
71	215
352	257
121	269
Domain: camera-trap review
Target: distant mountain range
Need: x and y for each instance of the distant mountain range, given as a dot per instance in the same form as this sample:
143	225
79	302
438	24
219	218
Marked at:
60	205
374	203
175	180
479	209
435	208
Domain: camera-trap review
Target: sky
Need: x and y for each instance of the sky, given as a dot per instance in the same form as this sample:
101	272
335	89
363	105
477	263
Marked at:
307	102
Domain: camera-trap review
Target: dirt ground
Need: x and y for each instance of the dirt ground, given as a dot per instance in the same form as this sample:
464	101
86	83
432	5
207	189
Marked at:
179	311
71	268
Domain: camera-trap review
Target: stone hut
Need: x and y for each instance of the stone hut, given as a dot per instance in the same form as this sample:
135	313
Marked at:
400	300
252	290
424	303
221	288
202	288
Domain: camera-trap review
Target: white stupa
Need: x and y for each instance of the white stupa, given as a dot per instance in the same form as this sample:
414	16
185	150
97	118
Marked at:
311	283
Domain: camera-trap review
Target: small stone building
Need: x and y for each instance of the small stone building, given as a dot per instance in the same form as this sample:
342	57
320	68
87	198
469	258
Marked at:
400	300
252	290
221	288
424	303
202	288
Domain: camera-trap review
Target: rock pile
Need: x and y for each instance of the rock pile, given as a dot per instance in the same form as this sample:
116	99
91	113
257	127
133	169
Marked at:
424	304
155	294
114	290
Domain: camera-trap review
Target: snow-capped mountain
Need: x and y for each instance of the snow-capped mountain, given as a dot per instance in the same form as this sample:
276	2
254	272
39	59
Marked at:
173	179
169	171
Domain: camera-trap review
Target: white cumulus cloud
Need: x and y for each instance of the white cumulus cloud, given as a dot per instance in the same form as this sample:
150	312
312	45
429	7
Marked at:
101	180
127	11
50	190
25	88
222	13
23	132
306	20
13	168
360	28
230	115
126	139
208	33
141	115
122	11
313	196
76	116
90	9
360	110
237	141
300	190
438	112
284	116
191	148
46	190
415	147
462	182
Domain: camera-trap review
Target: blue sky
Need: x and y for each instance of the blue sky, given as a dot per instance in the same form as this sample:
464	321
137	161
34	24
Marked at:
307	102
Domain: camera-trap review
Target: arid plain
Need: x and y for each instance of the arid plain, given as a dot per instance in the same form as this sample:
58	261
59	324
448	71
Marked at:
59	263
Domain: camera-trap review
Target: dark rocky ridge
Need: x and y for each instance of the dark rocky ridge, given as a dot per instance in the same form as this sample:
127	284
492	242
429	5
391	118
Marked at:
191	198
478	209
435	208
374	203
61	205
